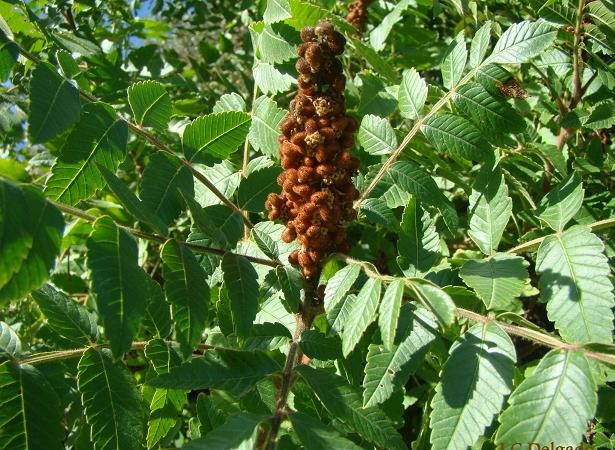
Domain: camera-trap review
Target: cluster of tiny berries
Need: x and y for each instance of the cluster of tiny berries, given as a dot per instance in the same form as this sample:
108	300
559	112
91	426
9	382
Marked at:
317	190
357	14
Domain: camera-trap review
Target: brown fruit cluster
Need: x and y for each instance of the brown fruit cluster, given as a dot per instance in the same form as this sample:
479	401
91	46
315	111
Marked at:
317	190
357	14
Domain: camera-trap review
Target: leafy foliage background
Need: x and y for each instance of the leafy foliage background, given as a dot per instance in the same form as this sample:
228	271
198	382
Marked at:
145	300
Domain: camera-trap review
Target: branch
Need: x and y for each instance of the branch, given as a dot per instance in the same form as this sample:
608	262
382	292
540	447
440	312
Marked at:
41	358
155	142
160	238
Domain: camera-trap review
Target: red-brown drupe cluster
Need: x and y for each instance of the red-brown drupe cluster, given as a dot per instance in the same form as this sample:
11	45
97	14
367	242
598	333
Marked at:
357	14
317	190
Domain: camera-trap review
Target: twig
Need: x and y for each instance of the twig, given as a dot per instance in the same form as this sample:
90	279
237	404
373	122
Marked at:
45	357
162	239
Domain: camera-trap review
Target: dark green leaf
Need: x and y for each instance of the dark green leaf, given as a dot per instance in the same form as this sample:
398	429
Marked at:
241	283
217	135
239	432
150	104
454	134
253	190
317	436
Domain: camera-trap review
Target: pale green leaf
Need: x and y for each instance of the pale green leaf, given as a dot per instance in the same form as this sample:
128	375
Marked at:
362	314
303	13
562	203
574	281
474	382
412	94
150	103
454	61
317	436
434	299
222	175
112	403
229	370
163	179
265	128
339	285
344	402
10	344
387	370
378	36
216	135
54	104
337	315
497	280
376	136
99	138
490	209
521	42
187	291
34	253
276	11
237	433
30	410
553	404
241	283
230	102
269	46
480	42
68	318
454	134
269	79
131	202
388	314
117	281
419	243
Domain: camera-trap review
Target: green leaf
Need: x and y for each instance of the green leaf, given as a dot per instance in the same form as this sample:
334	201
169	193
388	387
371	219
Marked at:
268	237
269	46
157	312
218	135
206	224
163	179
229	370
376	136
540	408
362	314
290	281
344	402
254	189
150	103
30	410
562	203
317	345
99	138
230	102
387	370
223	176
276	11
434	299
54	104
454	61
265	127
10	344
412	95
34	253
67	63
162	355
339	285
8	56
602	115
490	209
497	280
187	291
209	415
456	135
491	114
69	319
131	202
474	382
378	36
388	316
480	42
379	64
241	283
317	436
238	433
112	403
522	42
575	284
419	243
414	180
118	282
269	79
